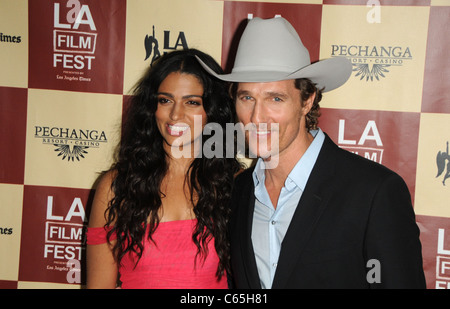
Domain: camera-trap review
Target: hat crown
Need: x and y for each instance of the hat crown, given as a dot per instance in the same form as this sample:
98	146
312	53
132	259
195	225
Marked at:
272	45
271	50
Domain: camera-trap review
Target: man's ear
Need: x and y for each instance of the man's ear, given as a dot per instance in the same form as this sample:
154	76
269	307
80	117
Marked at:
307	104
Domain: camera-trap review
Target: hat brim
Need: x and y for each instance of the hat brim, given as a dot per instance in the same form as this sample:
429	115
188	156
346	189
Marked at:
328	74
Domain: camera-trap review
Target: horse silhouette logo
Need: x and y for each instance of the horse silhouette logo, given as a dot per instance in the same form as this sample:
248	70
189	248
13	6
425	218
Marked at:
441	159
151	46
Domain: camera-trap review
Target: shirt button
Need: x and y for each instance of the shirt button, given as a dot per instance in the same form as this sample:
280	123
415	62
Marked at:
274	222
274	264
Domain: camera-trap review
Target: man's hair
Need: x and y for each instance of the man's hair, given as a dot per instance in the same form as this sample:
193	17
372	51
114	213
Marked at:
307	88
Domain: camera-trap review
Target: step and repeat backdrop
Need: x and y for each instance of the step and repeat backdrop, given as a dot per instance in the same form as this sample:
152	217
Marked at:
67	68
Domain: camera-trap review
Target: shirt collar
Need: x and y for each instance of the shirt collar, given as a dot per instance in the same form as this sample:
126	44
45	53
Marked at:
302	169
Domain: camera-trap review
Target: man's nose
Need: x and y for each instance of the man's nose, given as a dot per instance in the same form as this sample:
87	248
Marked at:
258	113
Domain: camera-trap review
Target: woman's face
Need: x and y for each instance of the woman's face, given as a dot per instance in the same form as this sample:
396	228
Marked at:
180	115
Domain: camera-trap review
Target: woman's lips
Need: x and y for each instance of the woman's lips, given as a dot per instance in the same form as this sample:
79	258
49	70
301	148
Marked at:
176	130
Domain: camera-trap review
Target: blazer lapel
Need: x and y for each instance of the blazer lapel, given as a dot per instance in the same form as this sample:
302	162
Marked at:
245	222
309	209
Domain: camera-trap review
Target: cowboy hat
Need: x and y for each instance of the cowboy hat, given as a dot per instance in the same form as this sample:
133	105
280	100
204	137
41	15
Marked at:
271	50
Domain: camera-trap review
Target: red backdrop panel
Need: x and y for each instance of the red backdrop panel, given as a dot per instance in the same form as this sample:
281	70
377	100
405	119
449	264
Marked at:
13	120
53	232
377	135
86	56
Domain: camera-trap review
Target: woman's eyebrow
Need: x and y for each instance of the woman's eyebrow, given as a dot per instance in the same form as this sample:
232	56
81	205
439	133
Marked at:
165	94
189	96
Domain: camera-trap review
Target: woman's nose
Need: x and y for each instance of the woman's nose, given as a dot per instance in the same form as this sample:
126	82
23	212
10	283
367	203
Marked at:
177	112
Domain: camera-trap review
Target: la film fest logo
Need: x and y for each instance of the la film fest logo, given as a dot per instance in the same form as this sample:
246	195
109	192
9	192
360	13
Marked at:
153	47
6	230
10	38
443	164
73	50
70	144
65	239
442	262
369	133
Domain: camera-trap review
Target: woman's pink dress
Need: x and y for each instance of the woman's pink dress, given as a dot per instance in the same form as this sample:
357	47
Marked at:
171	263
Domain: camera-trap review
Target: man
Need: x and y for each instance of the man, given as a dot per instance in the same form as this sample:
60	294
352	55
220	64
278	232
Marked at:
321	217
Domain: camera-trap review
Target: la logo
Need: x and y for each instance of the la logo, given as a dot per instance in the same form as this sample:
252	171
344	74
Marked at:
77	15
76	210
370	127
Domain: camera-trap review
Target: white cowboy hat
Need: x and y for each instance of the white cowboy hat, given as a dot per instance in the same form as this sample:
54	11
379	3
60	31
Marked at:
271	50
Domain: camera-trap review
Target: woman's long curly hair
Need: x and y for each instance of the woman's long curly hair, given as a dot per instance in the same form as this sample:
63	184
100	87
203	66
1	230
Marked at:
141	165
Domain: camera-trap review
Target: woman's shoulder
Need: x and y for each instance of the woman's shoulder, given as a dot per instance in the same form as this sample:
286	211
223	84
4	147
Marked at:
103	195
106	180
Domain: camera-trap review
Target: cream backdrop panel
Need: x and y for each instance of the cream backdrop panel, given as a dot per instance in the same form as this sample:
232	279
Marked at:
45	285
432	196
11	199
199	20
440	2
400	31
98	115
282	1
14	56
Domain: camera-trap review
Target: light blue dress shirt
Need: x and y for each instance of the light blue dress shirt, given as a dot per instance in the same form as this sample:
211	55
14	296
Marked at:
270	224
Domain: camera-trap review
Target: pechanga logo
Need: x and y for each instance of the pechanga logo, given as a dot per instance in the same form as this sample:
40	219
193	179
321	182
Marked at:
372	62
73	49
70	144
443	161
152	46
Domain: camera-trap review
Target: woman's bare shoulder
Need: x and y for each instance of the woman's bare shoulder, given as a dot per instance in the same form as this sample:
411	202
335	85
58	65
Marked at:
103	195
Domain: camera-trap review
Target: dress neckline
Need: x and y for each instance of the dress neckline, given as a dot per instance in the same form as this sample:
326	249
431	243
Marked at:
177	221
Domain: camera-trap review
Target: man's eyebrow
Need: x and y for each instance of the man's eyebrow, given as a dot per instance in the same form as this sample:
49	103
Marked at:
267	94
242	92
272	94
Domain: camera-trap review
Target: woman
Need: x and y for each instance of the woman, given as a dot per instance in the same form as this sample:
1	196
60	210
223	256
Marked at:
159	219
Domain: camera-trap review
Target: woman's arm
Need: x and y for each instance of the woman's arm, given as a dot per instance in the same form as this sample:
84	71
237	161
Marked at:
101	265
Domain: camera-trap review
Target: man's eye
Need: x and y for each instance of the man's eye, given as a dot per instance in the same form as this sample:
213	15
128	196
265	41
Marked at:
246	98
277	99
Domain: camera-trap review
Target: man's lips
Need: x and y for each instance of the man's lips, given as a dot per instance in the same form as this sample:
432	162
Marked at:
260	133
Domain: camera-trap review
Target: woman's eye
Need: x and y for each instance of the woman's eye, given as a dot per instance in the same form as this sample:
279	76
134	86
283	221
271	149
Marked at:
194	103
163	100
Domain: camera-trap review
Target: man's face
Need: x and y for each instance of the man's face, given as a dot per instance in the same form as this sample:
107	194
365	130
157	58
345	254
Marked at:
265	104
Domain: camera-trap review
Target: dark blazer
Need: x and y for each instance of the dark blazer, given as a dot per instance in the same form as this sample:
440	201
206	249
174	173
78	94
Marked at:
353	210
